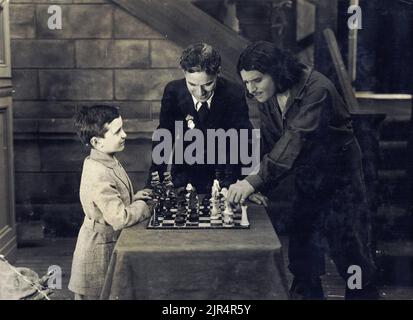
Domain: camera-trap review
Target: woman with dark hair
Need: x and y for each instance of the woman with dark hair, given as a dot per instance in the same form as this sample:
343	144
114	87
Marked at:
306	130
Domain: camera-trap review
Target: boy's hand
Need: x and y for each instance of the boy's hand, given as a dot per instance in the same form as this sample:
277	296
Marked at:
145	194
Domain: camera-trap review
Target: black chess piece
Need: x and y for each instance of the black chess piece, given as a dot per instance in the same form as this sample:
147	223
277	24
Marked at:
206	207
155	220
180	218
220	174
193	216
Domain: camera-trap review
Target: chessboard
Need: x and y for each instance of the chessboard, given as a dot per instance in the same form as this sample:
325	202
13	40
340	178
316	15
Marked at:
204	222
183	208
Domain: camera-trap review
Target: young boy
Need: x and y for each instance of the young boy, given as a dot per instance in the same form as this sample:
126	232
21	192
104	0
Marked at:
107	199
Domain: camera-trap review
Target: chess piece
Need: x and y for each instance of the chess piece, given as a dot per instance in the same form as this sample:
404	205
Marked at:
228	214
205	207
155	220
193	216
215	210
167	208
180	216
216	188
219	175
167	183
155	180
224	192
244	216
172	213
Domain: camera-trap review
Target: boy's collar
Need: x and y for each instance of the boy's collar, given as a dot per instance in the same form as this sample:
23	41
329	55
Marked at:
104	158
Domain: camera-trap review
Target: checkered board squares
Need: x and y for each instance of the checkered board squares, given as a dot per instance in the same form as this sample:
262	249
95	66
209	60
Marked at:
205	222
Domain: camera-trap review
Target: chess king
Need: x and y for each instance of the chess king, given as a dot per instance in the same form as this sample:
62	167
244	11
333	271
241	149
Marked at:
202	100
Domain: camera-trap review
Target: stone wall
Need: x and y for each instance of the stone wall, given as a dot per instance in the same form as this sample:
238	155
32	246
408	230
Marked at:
102	55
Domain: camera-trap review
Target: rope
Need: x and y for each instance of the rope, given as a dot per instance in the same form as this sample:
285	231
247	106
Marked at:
31	283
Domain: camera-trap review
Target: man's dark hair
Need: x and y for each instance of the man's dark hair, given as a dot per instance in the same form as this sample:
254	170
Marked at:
90	121
201	57
265	57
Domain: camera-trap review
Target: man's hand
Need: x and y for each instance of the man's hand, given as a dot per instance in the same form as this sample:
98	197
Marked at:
239	192
145	194
259	198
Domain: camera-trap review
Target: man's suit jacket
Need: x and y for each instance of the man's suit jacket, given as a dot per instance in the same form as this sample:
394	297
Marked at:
228	110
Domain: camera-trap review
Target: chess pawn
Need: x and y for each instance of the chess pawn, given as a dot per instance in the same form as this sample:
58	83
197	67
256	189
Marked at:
167	182
214	209
155	180
155	220
244	216
228	214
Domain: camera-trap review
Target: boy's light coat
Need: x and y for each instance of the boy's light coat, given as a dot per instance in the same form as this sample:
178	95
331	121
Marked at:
106	194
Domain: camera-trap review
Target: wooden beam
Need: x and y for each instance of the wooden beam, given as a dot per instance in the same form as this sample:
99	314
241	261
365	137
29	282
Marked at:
343	77
183	23
326	17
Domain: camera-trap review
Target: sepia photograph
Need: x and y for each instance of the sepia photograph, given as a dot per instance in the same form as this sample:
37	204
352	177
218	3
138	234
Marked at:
214	152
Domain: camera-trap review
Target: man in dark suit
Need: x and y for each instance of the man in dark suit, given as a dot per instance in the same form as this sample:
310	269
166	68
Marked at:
201	100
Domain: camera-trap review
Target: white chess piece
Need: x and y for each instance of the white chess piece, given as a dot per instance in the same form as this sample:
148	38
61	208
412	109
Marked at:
214	209
224	192
228	213
189	187
244	216
216	185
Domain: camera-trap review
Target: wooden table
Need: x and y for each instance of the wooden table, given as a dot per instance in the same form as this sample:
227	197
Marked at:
203	264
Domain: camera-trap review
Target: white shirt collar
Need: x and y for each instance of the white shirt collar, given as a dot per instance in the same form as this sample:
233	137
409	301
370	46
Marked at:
282	100
198	104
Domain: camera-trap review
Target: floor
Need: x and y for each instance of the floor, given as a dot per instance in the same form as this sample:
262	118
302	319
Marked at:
42	254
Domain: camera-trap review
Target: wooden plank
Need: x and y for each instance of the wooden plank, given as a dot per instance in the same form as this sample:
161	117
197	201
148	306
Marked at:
66	125
183	23
341	71
326	17
57	187
56	155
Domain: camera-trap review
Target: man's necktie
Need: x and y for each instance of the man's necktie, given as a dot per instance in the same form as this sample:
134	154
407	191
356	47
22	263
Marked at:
203	112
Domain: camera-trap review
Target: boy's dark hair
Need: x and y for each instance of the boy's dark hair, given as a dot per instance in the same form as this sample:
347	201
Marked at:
284	69
90	121
201	57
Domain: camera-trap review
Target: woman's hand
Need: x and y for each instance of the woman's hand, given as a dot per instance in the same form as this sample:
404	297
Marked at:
145	194
259	198
239	192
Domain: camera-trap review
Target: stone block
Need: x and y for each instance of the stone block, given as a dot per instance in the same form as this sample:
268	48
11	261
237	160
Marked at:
43	109
127	26
76	84
112	53
165	54
22	21
143	84
42	54
26	155
78	21
25	84
50	2
57	187
90	1
155	110
135	109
